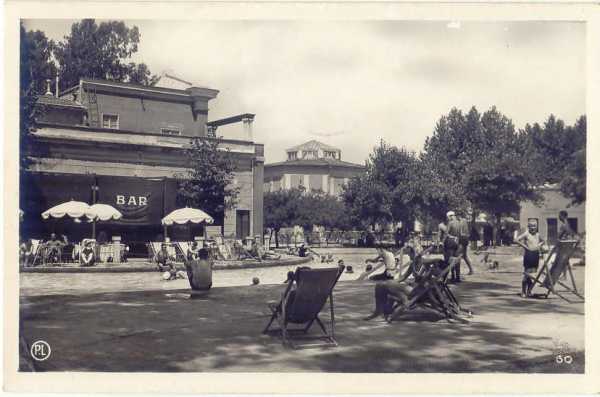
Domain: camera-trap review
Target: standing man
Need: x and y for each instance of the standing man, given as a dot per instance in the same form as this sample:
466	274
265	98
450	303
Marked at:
452	246
442	233
463	240
532	244
565	232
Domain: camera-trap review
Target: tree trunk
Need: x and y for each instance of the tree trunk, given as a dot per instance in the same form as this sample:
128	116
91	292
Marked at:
496	229
276	238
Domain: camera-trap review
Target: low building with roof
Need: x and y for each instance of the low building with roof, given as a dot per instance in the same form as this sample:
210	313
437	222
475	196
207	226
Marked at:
313	166
124	144
545	213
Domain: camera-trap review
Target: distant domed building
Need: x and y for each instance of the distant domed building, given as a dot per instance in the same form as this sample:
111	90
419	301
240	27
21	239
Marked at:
312	165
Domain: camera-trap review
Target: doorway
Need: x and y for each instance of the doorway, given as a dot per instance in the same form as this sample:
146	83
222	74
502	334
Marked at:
242	224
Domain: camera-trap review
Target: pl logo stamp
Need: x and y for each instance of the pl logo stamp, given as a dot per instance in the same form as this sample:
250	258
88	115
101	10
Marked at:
40	350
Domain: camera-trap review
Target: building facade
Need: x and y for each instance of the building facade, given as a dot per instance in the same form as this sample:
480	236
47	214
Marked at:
312	166
546	214
124	145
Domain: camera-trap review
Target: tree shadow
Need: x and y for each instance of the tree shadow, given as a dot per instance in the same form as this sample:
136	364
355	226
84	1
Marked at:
166	331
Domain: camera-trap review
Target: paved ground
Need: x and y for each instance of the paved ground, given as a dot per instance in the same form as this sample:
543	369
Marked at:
160	329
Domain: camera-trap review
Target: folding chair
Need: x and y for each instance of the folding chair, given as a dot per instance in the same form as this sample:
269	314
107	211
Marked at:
302	301
430	292
555	264
37	253
181	249
155	246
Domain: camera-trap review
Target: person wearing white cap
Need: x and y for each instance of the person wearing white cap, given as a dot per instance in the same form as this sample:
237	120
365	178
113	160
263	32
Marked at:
452	247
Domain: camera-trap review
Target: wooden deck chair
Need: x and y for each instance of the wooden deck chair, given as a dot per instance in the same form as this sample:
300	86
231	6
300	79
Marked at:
154	247
430	292
303	300
37	250
555	264
181	248
224	251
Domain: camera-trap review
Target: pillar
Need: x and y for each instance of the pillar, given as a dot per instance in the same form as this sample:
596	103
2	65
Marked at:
287	181
248	135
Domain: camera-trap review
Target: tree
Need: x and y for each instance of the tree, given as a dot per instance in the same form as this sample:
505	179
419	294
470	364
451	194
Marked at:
280	208
551	147
209	183
100	51
319	208
481	158
368	201
291	207
573	184
35	67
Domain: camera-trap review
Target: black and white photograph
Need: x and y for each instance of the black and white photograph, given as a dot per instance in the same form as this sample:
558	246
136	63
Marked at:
311	195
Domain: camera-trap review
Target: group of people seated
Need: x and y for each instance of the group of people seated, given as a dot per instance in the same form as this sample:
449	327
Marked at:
402	272
50	251
198	265
59	250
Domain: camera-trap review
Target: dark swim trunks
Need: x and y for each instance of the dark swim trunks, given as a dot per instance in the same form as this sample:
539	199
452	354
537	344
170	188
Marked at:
531	260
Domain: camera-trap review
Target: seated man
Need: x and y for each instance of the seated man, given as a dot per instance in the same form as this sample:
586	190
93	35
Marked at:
385	258
199	271
263	254
26	253
192	253
53	249
403	288
253	252
164	261
88	258
302	251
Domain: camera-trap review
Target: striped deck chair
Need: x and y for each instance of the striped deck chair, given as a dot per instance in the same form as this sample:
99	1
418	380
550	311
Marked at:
430	291
556	263
154	247
182	249
303	300
37	250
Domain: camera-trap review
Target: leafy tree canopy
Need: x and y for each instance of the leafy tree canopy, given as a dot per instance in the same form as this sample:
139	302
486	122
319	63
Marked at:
101	51
209	183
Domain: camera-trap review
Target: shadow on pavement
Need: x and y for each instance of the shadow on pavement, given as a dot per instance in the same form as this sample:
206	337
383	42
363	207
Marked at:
167	331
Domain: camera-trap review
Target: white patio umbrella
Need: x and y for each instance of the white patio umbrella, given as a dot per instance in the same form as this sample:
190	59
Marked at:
186	215
102	212
74	209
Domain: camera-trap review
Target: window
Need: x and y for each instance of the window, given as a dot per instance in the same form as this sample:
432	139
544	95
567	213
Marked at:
573	223
309	154
292	155
170	131
552	228
328	154
110	121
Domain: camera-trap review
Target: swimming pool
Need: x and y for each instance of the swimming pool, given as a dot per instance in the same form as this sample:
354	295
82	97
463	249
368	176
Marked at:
82	283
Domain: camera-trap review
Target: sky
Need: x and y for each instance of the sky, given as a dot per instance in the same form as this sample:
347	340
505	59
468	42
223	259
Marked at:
351	83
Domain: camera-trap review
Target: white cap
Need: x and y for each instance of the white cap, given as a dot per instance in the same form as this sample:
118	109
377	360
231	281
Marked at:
449	214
